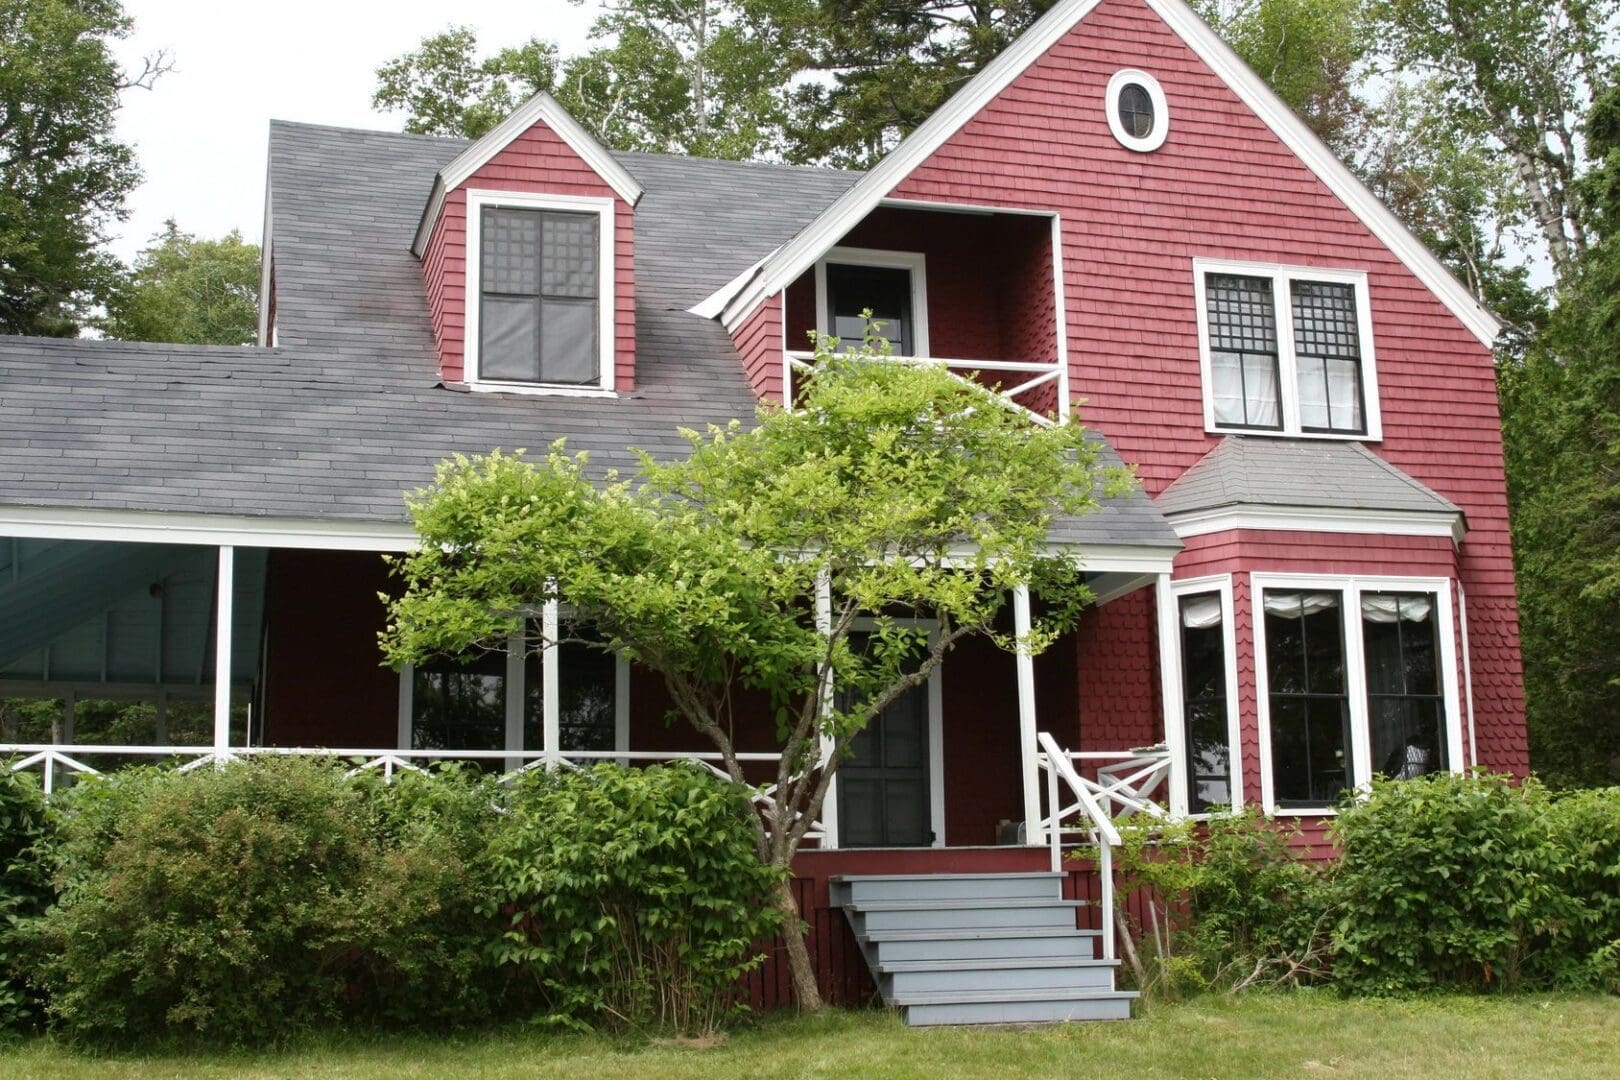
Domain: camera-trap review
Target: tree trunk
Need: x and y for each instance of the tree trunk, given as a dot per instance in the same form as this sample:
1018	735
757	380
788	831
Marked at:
800	968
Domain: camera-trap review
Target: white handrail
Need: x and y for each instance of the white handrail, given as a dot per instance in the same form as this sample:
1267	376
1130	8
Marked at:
1058	766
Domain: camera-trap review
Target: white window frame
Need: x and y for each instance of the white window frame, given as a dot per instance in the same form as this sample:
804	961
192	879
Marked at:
605	209
1350	587
517	692
936	719
1174	687
1282	276
914	261
1161	111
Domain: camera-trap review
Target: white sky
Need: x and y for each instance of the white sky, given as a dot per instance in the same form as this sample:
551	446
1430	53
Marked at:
200	135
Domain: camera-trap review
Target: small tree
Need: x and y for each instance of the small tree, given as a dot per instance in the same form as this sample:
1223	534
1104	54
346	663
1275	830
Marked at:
894	490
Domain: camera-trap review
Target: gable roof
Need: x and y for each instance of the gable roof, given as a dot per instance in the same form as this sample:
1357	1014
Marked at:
346	413
744	293
540	109
1323	474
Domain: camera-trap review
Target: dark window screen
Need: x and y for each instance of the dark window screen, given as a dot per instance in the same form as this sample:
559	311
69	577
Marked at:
540	286
1405	708
883	290
1136	110
1242	319
587	678
460	704
1310	706
1327	345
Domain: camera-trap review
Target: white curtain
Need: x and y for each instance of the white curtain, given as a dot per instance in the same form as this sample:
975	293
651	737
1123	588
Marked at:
1201	612
1294	605
1384	608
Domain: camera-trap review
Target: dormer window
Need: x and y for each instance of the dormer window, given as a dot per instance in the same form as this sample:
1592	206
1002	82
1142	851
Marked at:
539	293
890	284
1286	351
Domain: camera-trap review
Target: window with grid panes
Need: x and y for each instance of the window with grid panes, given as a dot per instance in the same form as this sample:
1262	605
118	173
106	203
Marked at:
1242	320
1327	351
539	287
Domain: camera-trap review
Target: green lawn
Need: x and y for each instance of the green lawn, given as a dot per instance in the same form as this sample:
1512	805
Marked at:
1297	1035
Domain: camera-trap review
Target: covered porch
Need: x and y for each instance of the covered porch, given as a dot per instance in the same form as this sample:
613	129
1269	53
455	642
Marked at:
157	641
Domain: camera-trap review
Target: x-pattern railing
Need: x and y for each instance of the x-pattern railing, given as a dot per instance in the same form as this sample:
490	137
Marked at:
1040	373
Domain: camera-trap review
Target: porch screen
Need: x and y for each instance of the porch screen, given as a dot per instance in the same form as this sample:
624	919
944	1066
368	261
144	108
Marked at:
539	286
1203	675
1243	350
1405	708
1310	705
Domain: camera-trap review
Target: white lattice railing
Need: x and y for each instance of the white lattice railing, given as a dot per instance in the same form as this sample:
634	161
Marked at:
55	760
1023	376
1080	810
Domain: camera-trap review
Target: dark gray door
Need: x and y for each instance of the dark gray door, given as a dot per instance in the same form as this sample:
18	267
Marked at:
883	785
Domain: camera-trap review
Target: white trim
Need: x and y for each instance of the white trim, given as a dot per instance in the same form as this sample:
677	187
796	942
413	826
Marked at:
1468	673
913	261
1170	632
793	258
1028	722
224	617
936	723
1350	587
1334	174
211	530
1155	137
971	209
1061	315
1282	276
606	211
540	109
1121	558
266	261
1217	519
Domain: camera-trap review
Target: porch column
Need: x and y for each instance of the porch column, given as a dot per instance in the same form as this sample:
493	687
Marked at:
225	595
1170	693
1027	742
829	806
550	707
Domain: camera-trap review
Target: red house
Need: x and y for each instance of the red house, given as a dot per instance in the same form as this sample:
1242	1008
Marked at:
1115	220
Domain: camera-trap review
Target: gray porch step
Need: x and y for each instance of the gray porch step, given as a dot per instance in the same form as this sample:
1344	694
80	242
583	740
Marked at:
1018	1007
863	887
980	948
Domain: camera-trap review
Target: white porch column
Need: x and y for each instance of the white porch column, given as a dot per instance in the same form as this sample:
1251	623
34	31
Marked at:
1027	724
225	596
1170	692
829	806
550	706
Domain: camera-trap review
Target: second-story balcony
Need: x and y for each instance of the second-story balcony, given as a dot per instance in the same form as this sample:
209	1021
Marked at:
976	291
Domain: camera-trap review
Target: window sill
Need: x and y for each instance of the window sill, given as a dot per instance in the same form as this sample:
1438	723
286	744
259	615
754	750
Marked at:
1267	433
531	389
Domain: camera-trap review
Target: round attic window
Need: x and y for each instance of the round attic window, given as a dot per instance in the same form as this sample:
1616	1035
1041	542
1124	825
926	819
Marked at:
1137	114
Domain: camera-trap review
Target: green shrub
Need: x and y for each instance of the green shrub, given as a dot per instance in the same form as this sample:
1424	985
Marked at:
244	905
631	895
25	888
1478	882
1231	905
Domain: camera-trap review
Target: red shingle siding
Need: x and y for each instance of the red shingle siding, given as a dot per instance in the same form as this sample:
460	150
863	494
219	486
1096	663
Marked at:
1223	186
759	343
1119	681
536	162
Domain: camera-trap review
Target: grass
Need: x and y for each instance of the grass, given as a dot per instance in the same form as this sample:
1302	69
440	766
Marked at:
1259	1036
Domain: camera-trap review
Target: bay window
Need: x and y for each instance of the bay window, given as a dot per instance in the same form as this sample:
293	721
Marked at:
1208	693
1357	676
1286	350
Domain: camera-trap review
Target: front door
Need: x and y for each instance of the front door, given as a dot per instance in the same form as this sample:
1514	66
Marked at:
883	792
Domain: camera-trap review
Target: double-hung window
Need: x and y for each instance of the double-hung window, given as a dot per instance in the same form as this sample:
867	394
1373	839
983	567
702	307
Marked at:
1208	693
1286	350
890	285
539	293
1357	677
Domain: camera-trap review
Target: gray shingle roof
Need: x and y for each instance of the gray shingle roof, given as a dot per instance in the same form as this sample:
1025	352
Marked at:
1330	475
346	413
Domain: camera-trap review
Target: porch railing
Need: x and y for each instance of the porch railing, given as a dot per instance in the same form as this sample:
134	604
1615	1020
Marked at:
58	759
1082	810
1022	377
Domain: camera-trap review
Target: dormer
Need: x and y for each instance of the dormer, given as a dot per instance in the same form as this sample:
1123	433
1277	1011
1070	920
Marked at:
528	257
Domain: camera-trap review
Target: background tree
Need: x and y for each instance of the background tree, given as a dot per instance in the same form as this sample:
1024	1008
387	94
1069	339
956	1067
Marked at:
705	570
63	174
443	88
188	290
1561	408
